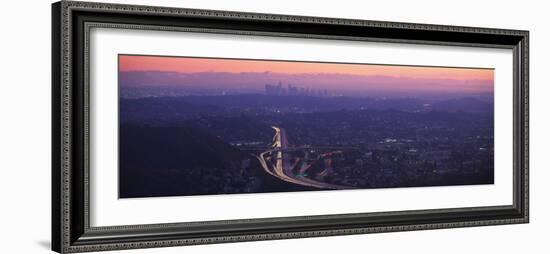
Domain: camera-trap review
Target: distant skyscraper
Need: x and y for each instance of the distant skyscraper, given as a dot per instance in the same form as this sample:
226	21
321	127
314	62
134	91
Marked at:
291	90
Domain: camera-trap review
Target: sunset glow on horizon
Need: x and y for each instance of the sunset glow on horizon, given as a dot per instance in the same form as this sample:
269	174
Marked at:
193	65
346	76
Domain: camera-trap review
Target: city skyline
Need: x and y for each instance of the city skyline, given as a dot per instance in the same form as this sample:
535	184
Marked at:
292	90
206	126
253	75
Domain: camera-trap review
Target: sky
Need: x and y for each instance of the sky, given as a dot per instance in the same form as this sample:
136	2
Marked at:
251	74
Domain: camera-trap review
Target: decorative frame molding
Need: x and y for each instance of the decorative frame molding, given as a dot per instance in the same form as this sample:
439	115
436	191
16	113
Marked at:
71	22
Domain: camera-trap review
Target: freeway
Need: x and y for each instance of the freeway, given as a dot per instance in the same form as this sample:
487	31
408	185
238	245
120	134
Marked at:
283	169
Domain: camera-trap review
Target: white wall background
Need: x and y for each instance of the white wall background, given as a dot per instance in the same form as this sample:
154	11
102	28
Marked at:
25	125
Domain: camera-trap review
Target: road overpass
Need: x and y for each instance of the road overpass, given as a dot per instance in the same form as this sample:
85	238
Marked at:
273	162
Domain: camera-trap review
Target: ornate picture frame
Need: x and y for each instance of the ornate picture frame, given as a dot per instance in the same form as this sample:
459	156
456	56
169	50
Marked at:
71	196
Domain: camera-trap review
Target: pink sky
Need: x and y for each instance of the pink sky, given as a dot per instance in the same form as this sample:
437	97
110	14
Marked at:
446	78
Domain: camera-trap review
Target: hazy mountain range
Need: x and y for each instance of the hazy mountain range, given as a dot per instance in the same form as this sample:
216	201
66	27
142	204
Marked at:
338	83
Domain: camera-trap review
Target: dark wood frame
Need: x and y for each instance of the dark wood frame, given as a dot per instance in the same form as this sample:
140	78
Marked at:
71	22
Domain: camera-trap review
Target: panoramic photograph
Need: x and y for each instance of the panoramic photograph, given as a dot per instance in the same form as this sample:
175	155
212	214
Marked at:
207	126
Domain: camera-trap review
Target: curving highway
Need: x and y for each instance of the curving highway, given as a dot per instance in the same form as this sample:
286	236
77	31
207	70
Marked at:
274	164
